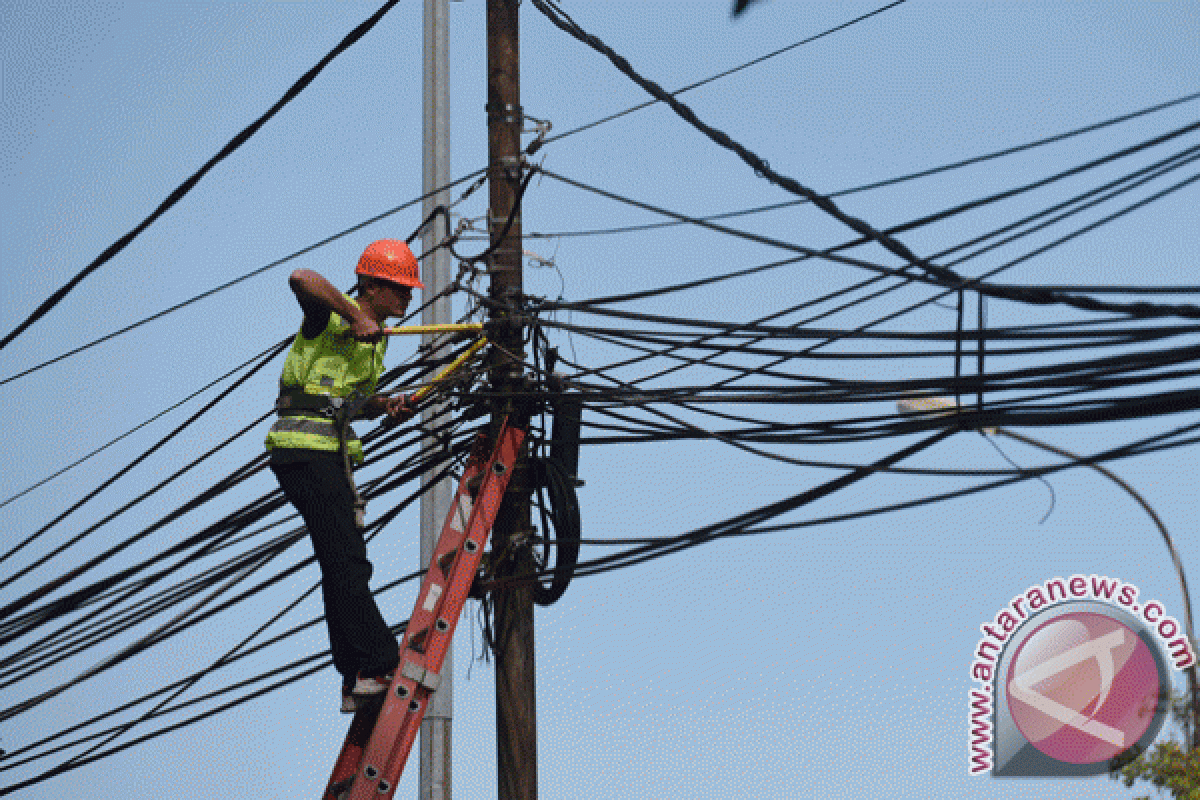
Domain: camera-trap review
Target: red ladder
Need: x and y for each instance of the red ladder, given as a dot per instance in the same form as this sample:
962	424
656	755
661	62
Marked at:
380	737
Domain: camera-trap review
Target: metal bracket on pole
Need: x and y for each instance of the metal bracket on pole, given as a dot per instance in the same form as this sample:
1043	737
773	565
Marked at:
511	167
505	111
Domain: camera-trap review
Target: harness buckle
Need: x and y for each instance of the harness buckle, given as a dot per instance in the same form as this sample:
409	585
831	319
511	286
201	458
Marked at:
333	407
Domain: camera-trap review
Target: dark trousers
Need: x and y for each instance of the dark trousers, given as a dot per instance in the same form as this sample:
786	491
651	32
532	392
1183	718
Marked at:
358	636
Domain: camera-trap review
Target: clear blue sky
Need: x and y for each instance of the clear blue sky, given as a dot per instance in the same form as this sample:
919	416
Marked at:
827	662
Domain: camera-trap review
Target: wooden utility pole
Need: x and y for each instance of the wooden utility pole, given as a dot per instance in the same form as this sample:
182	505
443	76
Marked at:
516	713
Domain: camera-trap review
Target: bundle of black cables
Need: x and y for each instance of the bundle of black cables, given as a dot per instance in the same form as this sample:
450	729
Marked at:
555	478
559	507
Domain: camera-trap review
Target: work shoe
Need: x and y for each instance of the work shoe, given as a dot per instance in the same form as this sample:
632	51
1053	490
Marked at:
365	687
349	701
359	693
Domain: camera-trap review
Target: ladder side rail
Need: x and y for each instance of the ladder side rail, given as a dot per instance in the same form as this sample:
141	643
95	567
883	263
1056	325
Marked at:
364	721
430	630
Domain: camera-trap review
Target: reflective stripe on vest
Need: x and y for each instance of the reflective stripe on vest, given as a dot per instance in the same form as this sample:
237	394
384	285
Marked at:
306	433
318	427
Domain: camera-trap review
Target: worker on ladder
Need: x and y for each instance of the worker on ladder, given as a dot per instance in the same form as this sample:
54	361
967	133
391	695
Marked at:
329	379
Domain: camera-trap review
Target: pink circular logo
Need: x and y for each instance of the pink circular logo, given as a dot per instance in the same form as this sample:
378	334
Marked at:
1083	688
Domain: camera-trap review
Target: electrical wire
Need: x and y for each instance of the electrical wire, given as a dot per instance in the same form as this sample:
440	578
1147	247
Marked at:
178	194
916	176
1063	388
253	273
935	272
720	75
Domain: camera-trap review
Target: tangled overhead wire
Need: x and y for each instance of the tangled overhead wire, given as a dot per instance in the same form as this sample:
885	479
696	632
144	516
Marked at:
59	619
788	379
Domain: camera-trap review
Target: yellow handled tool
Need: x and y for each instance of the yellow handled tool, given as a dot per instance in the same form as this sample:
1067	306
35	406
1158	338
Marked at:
450	368
471	327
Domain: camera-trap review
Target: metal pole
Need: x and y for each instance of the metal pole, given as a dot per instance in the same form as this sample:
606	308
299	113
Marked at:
516	722
434	782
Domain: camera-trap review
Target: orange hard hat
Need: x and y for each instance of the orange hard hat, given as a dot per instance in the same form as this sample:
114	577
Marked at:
390	260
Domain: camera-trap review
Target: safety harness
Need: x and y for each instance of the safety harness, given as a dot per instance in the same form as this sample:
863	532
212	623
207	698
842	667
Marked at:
294	407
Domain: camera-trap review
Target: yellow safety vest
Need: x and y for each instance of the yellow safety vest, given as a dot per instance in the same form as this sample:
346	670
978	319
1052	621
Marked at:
335	365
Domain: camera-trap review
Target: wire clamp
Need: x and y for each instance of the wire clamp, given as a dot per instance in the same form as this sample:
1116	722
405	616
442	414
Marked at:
335	405
541	127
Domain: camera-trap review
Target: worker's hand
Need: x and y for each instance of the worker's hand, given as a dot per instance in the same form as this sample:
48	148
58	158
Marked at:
399	409
365	329
375	405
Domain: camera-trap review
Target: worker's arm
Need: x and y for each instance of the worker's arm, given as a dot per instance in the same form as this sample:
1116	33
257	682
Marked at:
318	297
399	408
375	405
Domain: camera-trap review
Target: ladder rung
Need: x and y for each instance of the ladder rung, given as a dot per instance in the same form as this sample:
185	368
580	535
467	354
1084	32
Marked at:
432	597
427	678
